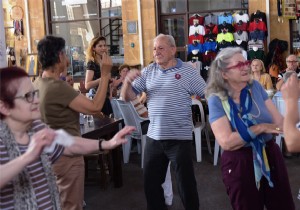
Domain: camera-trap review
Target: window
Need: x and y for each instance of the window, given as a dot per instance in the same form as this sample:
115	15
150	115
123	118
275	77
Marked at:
78	21
173	6
295	35
202	5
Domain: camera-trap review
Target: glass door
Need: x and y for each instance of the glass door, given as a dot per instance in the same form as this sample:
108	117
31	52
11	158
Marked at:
295	38
175	25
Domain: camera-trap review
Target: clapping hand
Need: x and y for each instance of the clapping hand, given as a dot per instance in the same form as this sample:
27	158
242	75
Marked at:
106	65
291	89
119	138
132	75
38	142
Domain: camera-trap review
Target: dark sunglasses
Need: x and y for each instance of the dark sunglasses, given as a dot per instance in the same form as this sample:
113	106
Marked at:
29	97
239	65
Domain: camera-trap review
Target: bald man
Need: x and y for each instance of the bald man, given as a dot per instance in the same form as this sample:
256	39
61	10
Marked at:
292	66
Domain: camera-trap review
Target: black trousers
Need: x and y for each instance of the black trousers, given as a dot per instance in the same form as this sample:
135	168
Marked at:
107	109
156	160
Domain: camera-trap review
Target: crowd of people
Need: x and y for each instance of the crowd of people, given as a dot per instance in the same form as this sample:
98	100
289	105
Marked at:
243	119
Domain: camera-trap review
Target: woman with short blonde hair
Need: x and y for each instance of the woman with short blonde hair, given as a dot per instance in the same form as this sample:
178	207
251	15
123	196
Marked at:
258	72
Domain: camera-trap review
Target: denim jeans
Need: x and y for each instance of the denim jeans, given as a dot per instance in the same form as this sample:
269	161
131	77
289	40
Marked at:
158	153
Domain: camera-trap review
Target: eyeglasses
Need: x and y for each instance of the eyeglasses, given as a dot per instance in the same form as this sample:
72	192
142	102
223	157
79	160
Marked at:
292	61
239	65
29	97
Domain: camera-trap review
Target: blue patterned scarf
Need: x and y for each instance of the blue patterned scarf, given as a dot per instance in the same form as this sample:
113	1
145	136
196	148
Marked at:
241	120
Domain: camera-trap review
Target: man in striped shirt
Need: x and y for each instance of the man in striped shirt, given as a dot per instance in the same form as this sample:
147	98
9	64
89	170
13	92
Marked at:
169	84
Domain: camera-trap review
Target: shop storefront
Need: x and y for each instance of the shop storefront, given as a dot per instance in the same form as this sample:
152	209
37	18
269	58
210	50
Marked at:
77	21
130	26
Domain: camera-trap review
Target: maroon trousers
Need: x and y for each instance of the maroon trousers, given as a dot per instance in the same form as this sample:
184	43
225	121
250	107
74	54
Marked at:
238	177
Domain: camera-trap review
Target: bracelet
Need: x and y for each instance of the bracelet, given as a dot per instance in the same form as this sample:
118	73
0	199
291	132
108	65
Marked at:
100	145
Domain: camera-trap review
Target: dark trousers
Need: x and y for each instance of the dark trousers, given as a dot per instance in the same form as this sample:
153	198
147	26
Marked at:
156	160
107	109
239	180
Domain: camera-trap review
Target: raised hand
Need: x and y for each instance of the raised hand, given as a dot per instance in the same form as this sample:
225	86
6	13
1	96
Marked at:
38	142
106	65
132	75
291	89
119	138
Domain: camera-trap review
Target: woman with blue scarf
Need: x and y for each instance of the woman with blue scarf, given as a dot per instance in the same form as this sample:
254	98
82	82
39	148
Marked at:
244	122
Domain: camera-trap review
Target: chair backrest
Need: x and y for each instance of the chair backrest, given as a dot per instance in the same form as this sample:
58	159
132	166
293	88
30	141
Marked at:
197	102
279	103
131	117
116	109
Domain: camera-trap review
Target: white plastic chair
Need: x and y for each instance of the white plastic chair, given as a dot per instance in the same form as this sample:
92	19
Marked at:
118	115
279	104
132	118
216	152
115	107
198	127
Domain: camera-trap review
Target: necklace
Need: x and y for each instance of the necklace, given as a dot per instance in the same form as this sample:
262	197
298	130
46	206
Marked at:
258	114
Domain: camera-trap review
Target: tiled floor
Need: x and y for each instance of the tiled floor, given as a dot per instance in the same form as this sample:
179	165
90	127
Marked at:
211	190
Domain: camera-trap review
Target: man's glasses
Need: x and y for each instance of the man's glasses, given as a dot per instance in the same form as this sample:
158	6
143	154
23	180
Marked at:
292	61
239	65
29	97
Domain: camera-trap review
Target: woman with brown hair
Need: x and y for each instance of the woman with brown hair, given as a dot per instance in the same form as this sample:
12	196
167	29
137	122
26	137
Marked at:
118	82
94	60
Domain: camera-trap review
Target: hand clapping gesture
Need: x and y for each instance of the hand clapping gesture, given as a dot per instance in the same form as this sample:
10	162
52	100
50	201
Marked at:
291	89
38	142
105	64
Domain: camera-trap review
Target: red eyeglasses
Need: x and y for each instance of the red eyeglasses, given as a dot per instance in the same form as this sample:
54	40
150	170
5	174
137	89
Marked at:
240	65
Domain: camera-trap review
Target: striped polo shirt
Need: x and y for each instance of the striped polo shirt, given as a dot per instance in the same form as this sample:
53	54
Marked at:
37	176
169	101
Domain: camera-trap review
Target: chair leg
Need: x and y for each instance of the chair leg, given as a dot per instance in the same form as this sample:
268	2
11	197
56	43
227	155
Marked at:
103	175
138	144
143	143
126	149
216	152
197	133
207	140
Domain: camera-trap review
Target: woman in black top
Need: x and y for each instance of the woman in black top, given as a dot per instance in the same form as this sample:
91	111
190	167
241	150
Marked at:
94	54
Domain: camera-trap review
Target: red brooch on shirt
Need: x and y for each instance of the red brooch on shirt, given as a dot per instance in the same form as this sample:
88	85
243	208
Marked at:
177	76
